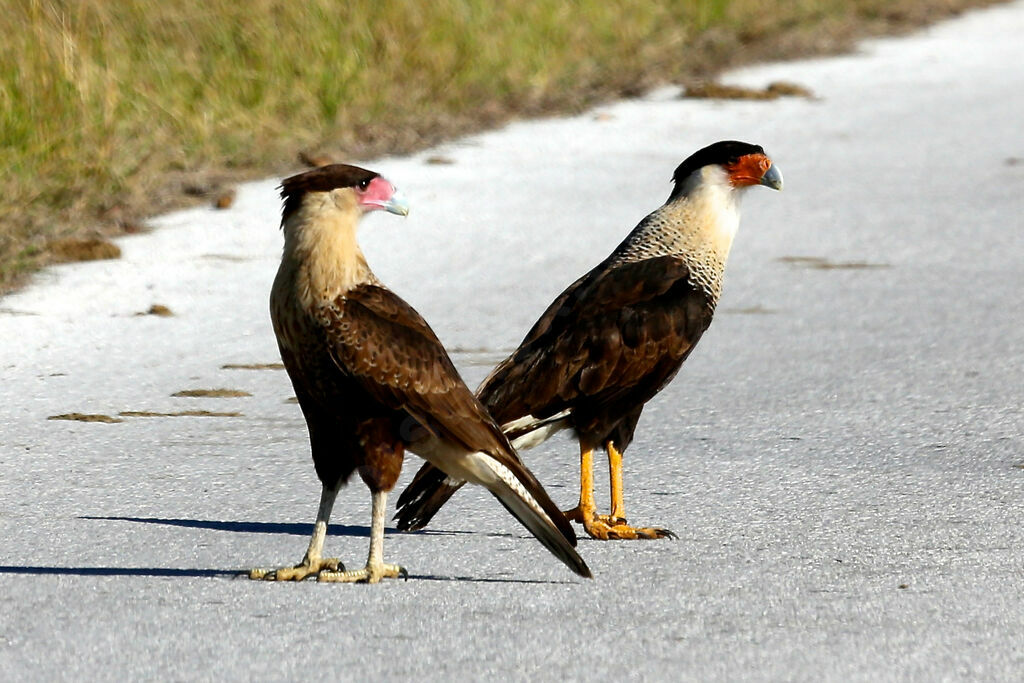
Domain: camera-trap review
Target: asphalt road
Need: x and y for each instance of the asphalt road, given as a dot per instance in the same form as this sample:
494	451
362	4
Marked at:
841	458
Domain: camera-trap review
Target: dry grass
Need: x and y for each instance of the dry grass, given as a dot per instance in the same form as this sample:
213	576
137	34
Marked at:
69	249
109	109
718	91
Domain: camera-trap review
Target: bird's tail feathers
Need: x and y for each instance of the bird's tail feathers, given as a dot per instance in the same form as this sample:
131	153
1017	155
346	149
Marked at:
431	488
427	493
524	497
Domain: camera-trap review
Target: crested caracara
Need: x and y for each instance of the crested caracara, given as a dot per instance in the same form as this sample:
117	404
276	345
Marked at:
372	379
617	336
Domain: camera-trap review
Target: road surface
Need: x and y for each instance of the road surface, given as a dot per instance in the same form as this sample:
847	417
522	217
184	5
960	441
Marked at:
842	457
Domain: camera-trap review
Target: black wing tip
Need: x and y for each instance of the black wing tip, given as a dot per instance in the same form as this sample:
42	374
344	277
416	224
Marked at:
408	523
410	515
425	495
404	525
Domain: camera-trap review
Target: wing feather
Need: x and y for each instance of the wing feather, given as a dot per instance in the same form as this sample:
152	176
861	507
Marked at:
384	344
621	330
610	341
381	341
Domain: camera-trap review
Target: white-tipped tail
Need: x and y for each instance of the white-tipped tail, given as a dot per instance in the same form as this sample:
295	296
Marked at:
531	513
433	486
515	488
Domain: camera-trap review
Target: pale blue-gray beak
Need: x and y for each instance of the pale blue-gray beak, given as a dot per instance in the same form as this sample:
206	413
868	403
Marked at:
772	178
397	204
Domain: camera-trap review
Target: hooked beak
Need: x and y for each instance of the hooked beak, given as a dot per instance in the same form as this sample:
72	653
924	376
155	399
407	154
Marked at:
397	204
772	178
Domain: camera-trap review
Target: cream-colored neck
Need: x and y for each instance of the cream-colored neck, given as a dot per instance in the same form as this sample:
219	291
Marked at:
708	214
320	247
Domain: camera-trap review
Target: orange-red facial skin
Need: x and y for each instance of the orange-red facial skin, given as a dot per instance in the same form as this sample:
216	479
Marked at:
748	170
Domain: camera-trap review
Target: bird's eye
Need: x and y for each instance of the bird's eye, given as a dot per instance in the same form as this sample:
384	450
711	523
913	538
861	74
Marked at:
363	184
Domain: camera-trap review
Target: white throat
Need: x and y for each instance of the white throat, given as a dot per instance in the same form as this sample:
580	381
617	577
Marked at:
713	206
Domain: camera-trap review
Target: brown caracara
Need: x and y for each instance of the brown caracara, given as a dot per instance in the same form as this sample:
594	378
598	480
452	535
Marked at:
617	336
372	379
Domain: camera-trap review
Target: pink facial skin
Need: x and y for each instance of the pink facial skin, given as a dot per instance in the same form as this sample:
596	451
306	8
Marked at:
377	194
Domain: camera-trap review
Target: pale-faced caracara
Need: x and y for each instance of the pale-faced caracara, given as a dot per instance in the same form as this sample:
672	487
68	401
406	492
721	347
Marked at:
372	379
617	336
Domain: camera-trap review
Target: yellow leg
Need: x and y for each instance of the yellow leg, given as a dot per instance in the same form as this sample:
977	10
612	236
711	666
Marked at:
586	508
613	526
615	479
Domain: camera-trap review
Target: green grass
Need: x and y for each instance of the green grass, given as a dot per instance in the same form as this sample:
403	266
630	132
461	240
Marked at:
106	104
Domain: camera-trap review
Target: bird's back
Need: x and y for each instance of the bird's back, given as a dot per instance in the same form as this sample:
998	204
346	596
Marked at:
607	344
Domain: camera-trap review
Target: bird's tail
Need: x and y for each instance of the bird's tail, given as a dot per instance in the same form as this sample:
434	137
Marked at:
508	480
523	496
431	488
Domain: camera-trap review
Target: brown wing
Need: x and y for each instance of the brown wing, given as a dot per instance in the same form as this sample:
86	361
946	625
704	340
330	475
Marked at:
383	343
608	343
605	346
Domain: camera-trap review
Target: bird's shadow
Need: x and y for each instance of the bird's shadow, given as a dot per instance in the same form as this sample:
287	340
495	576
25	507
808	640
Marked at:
292	528
295	529
195	573
172	572
479	579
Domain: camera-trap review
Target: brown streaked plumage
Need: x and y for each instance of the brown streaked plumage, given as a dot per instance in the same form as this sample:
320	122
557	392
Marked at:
617	336
373	380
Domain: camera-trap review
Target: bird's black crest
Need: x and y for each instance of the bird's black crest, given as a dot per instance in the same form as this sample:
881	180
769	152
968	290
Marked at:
718	153
323	179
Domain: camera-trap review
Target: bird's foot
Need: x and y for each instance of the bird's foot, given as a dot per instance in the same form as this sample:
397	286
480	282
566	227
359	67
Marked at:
368	574
300	571
608	528
574	515
579	516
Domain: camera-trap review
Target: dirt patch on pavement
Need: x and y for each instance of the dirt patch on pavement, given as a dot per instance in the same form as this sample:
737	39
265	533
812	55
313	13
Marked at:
210	393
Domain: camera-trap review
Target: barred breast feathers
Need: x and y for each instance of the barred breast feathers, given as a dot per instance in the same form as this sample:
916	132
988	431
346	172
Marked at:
698	226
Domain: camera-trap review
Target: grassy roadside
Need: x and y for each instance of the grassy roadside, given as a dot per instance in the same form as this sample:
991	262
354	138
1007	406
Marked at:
113	110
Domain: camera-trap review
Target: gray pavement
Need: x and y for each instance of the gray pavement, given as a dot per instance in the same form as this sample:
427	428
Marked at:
841	458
